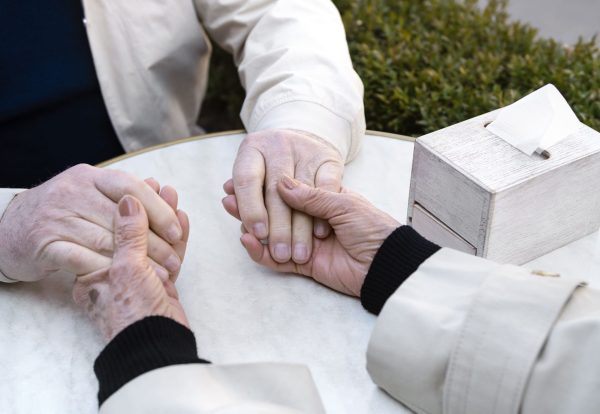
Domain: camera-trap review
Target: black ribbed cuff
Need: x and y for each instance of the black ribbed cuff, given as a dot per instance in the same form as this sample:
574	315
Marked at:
398	257
151	343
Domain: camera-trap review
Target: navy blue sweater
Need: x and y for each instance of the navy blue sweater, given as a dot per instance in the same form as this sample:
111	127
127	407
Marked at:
52	115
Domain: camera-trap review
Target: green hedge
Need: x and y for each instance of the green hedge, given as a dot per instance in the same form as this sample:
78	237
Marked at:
429	64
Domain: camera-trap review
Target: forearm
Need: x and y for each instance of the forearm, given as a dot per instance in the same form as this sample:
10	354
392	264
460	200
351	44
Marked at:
152	366
294	63
463	333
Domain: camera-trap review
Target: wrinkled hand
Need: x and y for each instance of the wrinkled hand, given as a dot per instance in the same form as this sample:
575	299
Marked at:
263	158
130	289
341	260
66	224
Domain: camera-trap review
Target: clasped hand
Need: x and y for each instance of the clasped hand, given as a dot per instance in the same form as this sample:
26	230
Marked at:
66	224
342	259
263	159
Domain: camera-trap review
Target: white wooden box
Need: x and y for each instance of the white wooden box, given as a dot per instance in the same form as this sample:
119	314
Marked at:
472	191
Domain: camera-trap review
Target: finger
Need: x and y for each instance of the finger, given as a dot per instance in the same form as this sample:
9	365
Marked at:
169	194
321	228
231	206
248	182
160	271
228	187
163	253
131	231
87	234
74	258
313	201
302	231
328	178
162	218
280	214
259	253
302	223
155	185
180	247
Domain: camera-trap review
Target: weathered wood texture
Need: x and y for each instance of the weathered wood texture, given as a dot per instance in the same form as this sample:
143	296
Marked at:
508	206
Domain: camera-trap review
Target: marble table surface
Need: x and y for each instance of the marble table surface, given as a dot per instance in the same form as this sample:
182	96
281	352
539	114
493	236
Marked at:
239	311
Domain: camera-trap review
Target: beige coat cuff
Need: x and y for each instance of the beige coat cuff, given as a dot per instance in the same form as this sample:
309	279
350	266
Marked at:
463	335
6	196
345	135
223	389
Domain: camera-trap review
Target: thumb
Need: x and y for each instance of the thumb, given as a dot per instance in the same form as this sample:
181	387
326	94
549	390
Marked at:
131	230
312	201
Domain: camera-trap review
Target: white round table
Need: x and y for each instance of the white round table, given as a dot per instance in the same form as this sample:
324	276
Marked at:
239	311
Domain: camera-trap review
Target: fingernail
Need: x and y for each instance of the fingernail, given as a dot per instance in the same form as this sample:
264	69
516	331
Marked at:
174	233
300	252
128	207
320	230
260	231
161	273
172	263
289	183
282	251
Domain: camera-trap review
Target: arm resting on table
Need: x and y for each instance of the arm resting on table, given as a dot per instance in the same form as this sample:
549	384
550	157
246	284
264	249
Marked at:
152	367
466	335
294	63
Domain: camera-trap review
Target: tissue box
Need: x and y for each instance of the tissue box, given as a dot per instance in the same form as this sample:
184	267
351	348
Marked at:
472	191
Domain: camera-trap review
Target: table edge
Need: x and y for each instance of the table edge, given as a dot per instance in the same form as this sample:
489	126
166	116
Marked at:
223	134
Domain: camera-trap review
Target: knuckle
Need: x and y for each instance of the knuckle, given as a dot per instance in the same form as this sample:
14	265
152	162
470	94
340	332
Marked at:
245	180
73	256
130	234
80	169
129	186
255	137
271	188
127	183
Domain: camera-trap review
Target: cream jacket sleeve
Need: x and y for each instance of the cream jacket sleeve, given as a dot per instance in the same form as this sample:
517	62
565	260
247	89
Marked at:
223	389
6	196
294	63
465	335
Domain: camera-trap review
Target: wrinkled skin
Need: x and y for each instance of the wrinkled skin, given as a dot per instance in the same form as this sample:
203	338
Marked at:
66	225
130	289
263	159
342	259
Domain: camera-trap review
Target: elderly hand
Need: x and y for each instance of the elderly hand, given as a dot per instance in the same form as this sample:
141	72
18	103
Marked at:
66	224
130	289
263	158
342	260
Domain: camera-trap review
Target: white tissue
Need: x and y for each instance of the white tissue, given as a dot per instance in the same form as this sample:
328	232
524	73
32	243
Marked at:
537	121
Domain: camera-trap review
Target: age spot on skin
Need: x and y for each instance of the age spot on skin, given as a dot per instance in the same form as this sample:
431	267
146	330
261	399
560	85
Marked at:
118	297
93	295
